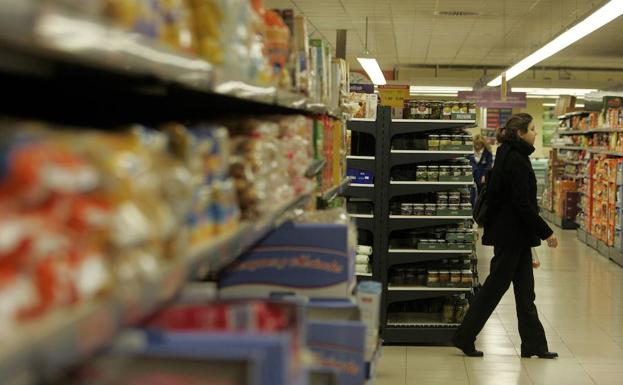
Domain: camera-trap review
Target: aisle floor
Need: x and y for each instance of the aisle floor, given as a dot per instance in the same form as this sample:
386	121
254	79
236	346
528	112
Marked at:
580	302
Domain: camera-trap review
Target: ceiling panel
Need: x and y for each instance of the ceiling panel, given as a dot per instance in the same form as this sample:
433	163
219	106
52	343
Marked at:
501	32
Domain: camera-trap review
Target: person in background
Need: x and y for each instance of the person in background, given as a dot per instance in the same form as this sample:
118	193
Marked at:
512	226
481	162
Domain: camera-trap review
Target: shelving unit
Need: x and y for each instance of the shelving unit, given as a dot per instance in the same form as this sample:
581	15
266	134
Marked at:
67	337
385	188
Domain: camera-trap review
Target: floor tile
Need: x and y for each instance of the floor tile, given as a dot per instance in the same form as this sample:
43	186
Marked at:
499	377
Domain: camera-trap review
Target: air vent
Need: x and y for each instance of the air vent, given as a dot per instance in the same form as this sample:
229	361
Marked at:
456	13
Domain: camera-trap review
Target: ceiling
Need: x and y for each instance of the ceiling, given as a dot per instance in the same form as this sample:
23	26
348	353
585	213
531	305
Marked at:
494	32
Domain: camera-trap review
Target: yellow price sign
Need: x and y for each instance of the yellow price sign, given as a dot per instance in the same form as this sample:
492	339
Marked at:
393	95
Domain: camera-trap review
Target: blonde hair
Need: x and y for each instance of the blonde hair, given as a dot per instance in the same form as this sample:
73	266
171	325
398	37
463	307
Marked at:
478	138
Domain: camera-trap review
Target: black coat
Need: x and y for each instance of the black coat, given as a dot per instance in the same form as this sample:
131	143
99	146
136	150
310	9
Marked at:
513	214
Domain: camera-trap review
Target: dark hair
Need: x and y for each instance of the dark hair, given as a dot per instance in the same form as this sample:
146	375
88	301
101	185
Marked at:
516	123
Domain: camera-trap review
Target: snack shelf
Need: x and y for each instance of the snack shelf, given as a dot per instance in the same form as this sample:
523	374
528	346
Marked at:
59	37
604	152
67	337
589	131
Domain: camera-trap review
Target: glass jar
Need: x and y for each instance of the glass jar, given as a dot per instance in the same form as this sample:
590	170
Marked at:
466	206
421	173
423	110
463	108
436	110
455	277
467	171
418	209
445	140
433	173
442	197
447	311
444	276
467	277
444	171
454	198
465	198
457	170
432	276
446	113
433	142
455	107
460	309
421	276
454	207
430	209
457	140
405	209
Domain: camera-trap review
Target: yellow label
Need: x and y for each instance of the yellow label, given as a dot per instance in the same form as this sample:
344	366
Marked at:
394	95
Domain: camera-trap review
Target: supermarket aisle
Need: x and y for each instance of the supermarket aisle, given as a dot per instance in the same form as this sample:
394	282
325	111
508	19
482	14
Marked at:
580	301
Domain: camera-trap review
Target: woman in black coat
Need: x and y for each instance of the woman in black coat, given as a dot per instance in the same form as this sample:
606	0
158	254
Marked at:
513	226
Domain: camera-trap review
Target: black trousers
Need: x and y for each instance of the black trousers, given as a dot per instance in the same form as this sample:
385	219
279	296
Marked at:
509	264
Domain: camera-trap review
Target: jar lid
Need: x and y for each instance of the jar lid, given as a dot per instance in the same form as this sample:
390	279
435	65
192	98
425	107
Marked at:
466	271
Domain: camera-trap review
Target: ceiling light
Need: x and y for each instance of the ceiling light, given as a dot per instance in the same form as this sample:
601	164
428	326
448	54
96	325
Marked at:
533	91
370	65
372	68
596	20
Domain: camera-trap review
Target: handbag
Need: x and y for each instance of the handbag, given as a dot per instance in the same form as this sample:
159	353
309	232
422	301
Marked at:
481	207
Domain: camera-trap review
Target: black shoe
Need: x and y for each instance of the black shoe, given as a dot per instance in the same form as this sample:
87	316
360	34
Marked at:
469	352
546	355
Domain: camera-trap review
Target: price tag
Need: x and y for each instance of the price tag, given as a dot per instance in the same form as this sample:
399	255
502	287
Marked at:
393	95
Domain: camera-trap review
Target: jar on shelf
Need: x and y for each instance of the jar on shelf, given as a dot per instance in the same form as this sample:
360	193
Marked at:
460	309
455	107
456	140
453	206
421	173
405	209
444	171
410	276
454	198
467	277
445	140
433	142
421	276
448	310
456	170
455	277
444	276
433	173
446	113
423	109
436	110
432	277
465	197
418	209
467	171
463	107
471	106
466	206
442	197
430	209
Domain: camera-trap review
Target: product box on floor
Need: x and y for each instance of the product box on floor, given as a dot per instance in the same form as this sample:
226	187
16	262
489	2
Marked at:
307	260
339	345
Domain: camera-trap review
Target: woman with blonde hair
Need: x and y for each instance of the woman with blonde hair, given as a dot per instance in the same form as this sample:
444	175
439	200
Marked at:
481	162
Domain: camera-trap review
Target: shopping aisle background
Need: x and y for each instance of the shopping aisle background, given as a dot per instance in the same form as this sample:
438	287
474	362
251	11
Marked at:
580	302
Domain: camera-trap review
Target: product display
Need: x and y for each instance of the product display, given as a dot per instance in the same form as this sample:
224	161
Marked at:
448	310
434	110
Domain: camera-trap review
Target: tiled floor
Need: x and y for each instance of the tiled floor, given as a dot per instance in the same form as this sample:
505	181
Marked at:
580	302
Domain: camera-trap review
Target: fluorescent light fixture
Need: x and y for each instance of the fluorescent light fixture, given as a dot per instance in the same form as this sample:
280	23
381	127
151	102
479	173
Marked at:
537	91
437	90
579	105
372	68
596	20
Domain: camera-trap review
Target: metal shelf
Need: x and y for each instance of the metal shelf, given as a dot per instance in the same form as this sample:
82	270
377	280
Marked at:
363	221
400	157
397	188
365	126
360	190
400	222
407	126
69	336
402	256
428	335
31	33
414	293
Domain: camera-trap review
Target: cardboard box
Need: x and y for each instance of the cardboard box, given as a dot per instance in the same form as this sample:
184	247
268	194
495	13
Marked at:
308	260
339	345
